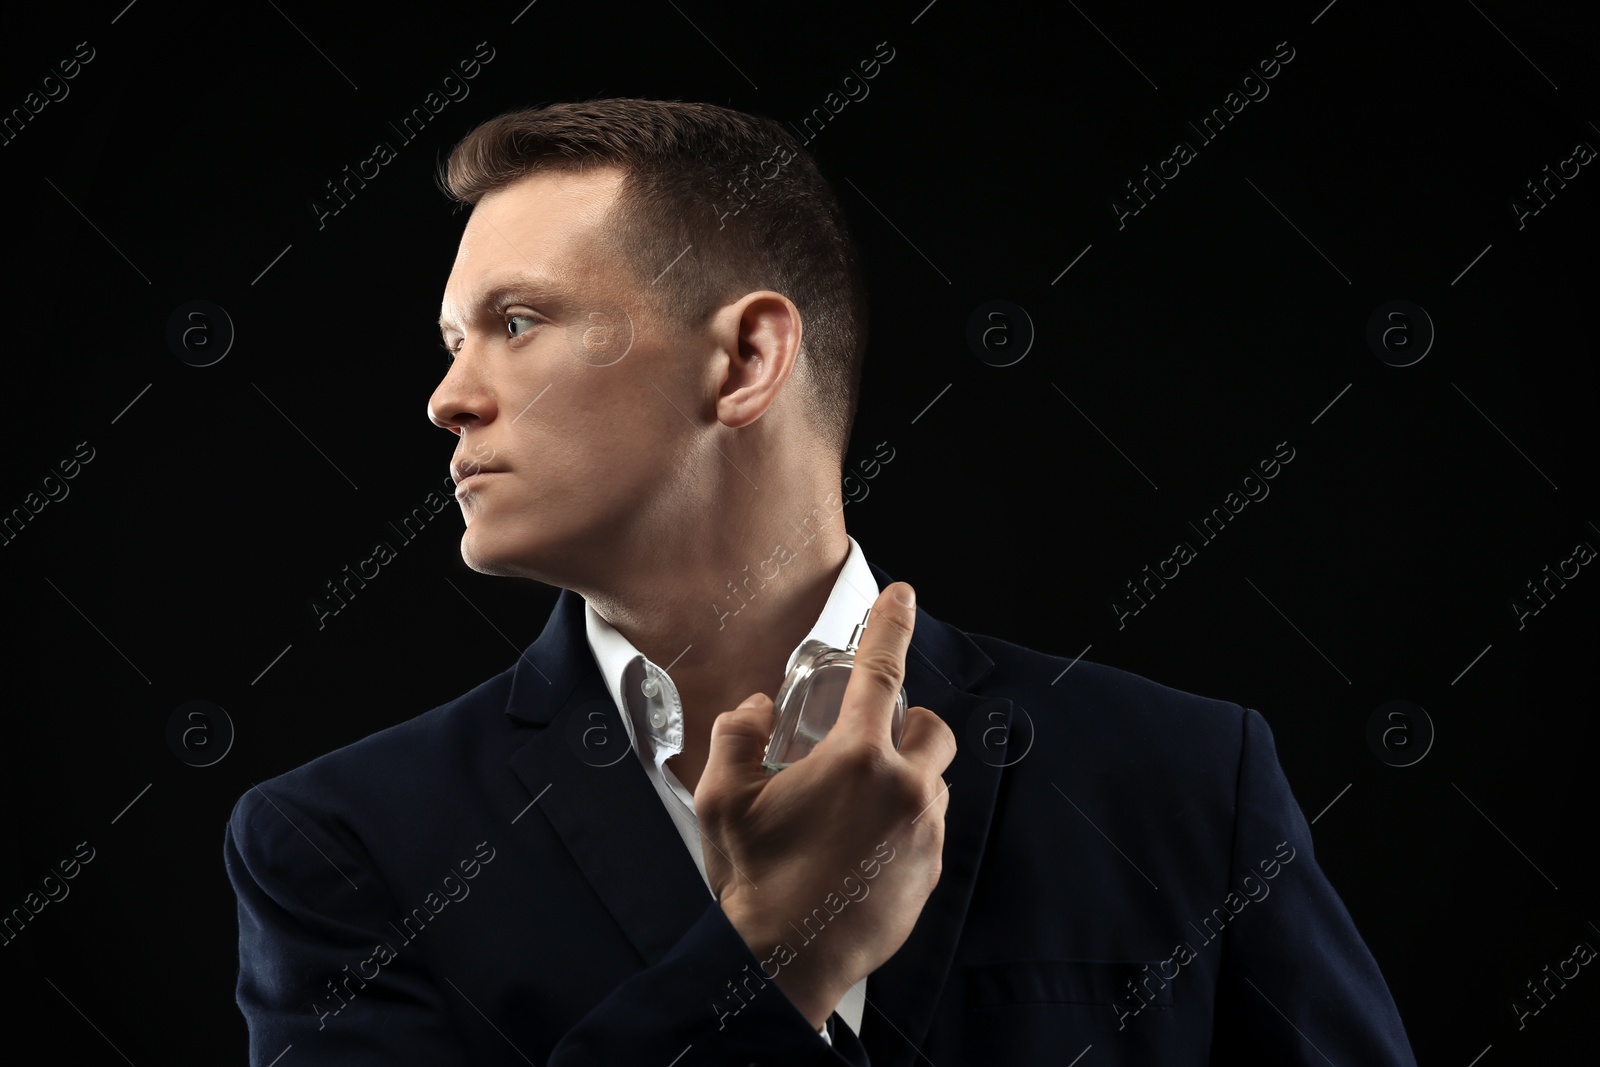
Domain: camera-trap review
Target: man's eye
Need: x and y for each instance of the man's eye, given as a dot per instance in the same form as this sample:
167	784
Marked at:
512	320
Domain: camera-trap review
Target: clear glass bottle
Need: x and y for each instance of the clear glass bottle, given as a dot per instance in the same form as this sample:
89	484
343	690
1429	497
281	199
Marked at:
807	704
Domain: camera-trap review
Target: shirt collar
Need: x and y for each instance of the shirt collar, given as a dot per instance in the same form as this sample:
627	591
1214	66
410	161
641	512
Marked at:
652	712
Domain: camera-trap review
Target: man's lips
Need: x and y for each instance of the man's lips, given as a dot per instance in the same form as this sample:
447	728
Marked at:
460	472
472	481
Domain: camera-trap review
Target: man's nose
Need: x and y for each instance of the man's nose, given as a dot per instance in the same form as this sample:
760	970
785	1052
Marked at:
462	398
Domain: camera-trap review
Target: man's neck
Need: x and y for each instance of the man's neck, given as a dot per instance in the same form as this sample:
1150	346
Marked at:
726	629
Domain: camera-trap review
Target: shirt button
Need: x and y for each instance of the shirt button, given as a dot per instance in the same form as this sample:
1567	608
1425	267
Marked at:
658	718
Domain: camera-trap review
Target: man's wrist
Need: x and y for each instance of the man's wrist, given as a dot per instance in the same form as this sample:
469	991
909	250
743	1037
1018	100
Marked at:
815	995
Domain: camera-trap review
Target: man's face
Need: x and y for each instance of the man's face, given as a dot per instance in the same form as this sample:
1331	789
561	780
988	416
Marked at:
560	386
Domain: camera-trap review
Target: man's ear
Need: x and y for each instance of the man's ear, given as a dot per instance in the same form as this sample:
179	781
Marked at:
759	341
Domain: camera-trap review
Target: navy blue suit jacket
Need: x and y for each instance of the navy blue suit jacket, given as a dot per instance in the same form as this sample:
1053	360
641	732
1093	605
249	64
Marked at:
492	882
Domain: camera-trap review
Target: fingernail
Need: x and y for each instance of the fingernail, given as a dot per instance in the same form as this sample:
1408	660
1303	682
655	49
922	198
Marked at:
906	595
752	701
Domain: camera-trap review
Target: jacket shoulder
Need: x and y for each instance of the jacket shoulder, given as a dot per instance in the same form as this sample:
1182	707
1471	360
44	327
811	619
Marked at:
417	756
1102	696
1120	717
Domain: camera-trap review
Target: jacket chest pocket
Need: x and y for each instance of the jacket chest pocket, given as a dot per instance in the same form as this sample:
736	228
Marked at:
1022	1013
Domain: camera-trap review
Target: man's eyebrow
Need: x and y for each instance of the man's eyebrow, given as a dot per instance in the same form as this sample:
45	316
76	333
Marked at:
537	287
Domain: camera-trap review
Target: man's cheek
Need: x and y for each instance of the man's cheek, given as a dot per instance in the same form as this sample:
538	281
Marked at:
601	336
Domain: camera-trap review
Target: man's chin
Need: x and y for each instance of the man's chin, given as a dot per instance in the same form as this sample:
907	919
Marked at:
488	558
501	560
495	567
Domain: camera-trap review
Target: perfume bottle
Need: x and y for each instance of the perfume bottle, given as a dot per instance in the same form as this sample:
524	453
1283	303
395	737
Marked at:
808	702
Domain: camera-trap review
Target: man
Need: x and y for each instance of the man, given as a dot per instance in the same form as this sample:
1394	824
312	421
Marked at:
656	320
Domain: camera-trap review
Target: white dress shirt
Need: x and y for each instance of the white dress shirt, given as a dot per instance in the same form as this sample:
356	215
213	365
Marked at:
652	712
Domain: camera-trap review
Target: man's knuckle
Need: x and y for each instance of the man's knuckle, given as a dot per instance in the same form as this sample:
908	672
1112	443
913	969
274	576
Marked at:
859	760
883	667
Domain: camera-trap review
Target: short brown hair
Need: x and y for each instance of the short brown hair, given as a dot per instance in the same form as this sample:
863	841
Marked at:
699	176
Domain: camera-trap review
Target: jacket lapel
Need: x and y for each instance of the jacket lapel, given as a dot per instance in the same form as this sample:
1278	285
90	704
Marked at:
903	994
593	792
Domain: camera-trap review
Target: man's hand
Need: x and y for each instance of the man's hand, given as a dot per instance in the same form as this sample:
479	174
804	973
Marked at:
800	844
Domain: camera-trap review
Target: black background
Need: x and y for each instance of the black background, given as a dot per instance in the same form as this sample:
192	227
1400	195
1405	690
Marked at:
1224	318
